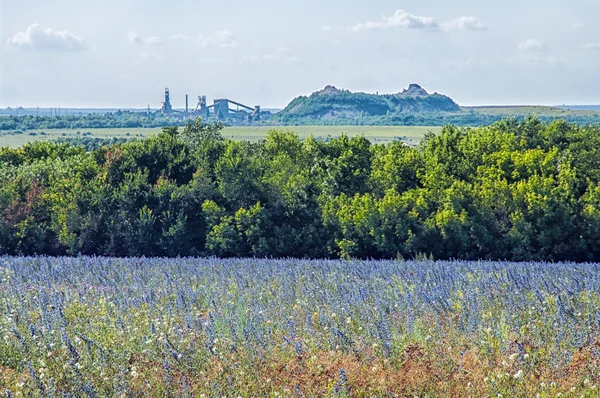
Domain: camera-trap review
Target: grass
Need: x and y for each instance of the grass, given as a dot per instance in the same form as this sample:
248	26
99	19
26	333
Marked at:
374	133
210	327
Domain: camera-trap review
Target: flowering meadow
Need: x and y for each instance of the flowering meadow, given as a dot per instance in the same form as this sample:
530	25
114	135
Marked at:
92	326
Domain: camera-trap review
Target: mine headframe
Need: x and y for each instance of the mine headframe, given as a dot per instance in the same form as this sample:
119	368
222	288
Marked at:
167	109
201	108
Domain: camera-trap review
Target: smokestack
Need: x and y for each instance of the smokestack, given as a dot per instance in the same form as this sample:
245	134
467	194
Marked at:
186	104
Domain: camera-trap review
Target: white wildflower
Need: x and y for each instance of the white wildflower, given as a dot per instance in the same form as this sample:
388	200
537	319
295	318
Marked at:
518	375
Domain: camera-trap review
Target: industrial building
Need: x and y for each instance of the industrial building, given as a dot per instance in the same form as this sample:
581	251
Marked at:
222	109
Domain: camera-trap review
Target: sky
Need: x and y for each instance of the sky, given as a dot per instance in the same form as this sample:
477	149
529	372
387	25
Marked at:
123	53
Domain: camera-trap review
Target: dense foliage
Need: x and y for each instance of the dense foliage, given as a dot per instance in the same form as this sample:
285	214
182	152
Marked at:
100	327
519	190
92	143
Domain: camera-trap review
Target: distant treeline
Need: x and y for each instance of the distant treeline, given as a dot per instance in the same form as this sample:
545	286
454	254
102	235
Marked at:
518	190
465	119
127	119
120	119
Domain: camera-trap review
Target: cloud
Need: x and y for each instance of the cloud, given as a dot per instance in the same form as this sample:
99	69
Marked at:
154	41
578	25
134	38
180	37
465	23
400	19
219	39
591	46
326	28
38	38
532	45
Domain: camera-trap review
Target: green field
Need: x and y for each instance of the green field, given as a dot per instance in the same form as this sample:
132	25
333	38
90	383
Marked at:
374	133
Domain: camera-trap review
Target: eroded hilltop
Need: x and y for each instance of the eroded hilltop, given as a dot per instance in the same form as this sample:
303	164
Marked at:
331	103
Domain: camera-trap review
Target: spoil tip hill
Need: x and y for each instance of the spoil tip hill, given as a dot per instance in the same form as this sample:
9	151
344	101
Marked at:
331	103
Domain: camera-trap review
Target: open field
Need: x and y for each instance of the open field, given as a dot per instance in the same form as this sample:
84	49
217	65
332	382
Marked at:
527	110
375	133
209	327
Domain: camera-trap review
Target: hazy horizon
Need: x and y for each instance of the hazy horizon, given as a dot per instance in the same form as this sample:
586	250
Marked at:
122	54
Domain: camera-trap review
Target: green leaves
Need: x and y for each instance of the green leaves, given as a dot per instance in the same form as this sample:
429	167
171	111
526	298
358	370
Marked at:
241	235
513	190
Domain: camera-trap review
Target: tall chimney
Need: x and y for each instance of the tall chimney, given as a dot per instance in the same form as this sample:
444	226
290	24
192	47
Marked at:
186	104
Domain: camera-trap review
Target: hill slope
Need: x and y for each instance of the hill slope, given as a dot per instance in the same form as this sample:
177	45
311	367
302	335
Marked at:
331	103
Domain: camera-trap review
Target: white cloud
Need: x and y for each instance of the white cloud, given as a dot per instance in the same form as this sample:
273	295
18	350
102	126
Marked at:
400	19
578	25
134	38
153	40
465	23
180	37
591	46
532	45
220	39
326	28
36	37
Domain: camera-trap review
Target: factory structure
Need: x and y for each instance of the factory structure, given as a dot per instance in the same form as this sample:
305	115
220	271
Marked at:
221	109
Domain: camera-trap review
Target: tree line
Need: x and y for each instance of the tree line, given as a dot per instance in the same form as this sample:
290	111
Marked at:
461	119
515	190
310	116
119	119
